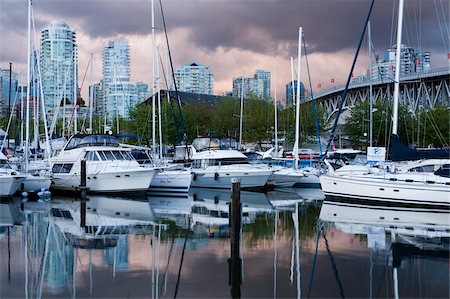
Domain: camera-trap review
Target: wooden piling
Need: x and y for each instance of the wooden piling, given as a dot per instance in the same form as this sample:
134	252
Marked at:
83	190
235	267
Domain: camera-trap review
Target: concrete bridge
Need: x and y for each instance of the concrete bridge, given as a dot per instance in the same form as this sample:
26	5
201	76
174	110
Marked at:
416	91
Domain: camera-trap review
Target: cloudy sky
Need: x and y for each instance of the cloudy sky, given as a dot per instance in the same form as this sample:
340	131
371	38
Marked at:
232	36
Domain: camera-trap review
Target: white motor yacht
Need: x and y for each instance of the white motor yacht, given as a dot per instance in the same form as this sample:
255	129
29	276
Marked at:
215	166
109	167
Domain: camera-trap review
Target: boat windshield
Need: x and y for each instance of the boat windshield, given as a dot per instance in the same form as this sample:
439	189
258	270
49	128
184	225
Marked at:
214	143
91	140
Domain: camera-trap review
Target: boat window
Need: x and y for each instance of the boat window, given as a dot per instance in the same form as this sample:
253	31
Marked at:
444	171
127	156
102	156
117	155
109	156
62	168
426	168
197	164
92	156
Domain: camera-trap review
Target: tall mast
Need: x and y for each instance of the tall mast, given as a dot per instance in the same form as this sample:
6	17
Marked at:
153	81
241	115
27	125
297	108
275	104
370	85
91	94
159	105
397	68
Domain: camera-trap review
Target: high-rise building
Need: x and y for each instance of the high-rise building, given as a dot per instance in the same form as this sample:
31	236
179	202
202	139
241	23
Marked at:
98	98
265	77
59	67
120	94
412	61
142	91
258	86
195	78
5	96
291	96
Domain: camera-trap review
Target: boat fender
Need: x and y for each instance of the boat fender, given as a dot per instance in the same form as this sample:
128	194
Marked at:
216	176
24	194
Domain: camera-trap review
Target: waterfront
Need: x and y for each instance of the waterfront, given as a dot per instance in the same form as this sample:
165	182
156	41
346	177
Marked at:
165	247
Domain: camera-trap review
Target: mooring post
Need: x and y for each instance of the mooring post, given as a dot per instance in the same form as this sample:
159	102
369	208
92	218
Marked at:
83	194
235	236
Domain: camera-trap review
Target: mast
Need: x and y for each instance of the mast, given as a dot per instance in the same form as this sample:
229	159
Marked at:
275	104
75	106
397	68
297	108
370	85
91	95
241	115
27	125
159	105
153	81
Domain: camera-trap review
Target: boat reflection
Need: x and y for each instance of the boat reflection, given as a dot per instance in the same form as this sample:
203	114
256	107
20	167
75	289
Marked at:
394	235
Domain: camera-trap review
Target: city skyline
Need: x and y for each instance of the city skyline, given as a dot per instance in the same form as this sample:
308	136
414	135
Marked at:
231	39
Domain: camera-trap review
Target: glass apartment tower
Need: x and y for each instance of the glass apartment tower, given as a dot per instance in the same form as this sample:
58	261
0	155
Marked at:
120	95
194	77
59	67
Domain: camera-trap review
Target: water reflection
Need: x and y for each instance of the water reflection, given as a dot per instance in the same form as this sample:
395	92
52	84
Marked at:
292	245
397	239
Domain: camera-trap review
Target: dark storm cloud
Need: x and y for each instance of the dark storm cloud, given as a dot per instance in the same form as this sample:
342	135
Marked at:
262	26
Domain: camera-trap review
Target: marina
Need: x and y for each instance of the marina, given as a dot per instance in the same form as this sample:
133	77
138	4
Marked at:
172	246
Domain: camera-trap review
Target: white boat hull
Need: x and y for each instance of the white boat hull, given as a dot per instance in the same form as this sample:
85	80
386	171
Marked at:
34	183
9	184
173	181
379	189
131	180
220	177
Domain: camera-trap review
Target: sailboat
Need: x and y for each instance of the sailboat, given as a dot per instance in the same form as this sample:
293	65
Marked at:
287	176
408	186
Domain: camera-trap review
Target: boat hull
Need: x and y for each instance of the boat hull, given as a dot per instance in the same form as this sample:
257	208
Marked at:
173	181
397	193
118	181
9	184
221	177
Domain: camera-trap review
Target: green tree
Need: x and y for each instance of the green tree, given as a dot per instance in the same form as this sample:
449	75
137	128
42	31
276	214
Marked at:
356	125
432	126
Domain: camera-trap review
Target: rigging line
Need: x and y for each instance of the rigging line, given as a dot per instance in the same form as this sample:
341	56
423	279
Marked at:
392	23
313	269
440	27
436	129
76	99
168	92
182	258
312	95
333	263
173	77
445	19
344	95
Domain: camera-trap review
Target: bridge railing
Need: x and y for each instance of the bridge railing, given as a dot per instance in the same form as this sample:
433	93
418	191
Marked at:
365	82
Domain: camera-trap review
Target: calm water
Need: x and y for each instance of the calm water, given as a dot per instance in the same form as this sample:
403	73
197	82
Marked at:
166	247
